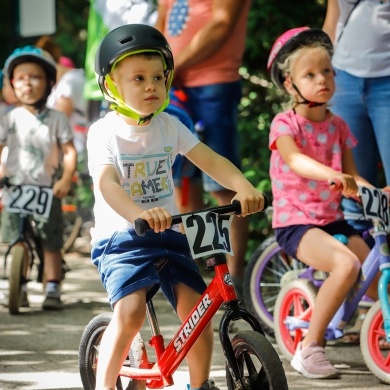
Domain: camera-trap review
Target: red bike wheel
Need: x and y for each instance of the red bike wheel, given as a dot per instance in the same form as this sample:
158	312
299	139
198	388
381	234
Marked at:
296	299
375	349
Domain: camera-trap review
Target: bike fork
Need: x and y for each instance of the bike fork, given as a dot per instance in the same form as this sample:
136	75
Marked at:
383	284
233	313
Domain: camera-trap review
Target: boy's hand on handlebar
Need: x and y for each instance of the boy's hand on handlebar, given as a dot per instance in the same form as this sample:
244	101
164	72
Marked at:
158	219
251	202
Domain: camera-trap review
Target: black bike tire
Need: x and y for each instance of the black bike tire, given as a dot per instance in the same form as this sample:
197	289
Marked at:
271	375
70	238
88	354
17	255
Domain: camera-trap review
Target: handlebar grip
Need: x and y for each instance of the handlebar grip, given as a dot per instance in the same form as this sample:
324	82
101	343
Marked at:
4	182
266	203
237	206
141	226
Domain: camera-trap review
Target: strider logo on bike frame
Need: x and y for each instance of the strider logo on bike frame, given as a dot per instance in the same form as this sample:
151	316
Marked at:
191	323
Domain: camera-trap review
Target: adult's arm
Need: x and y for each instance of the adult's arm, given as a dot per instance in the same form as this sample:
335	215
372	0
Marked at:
331	19
65	105
208	39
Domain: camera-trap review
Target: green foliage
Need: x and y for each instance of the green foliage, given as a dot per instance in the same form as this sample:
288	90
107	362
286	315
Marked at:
72	19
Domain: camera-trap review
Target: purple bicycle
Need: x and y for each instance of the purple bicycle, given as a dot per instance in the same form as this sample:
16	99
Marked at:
268	270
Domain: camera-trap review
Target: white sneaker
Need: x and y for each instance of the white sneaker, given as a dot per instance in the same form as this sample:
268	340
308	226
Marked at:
312	362
138	358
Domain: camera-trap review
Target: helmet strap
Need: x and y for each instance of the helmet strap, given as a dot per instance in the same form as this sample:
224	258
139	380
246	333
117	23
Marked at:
131	114
305	101
122	108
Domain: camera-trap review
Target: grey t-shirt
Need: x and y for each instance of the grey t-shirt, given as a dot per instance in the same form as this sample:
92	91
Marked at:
363	49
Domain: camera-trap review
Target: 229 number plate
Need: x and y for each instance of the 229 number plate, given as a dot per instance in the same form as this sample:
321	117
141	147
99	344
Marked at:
29	199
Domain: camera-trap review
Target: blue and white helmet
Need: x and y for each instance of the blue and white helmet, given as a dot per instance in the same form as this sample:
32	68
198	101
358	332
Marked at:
31	54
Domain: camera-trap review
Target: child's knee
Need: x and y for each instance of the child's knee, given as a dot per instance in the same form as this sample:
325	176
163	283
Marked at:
351	267
130	319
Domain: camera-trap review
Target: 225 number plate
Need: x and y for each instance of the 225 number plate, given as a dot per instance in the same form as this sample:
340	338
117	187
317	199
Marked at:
208	233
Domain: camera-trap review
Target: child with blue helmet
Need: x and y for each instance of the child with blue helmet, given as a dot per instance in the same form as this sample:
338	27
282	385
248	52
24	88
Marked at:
41	152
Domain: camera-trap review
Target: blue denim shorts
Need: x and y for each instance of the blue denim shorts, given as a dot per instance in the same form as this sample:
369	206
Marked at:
216	107
127	263
289	237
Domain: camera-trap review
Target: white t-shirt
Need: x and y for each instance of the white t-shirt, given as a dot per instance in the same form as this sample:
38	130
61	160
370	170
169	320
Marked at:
71	86
364	47
143	157
34	144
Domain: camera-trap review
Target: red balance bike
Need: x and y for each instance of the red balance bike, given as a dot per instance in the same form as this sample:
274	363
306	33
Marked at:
251	361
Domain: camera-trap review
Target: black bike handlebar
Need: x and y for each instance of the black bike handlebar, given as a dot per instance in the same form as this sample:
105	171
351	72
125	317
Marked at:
141	225
4	182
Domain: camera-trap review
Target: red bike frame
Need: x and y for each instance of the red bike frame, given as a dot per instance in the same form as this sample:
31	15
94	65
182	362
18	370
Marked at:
160	374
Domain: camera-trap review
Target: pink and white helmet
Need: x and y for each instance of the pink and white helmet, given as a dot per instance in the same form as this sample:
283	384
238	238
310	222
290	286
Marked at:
290	41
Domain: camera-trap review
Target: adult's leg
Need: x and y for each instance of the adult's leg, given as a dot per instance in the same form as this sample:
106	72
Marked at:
350	103
192	200
239	239
377	93
216	106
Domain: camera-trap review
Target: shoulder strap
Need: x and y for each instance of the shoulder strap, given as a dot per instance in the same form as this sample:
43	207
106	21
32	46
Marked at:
346	21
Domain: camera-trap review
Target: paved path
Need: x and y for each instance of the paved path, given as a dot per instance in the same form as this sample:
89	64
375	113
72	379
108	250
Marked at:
39	350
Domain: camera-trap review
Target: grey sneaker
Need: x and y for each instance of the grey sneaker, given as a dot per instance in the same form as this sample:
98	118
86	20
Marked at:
24	299
52	303
138	358
312	362
53	297
208	385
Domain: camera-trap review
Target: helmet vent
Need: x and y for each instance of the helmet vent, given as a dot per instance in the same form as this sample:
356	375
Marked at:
126	40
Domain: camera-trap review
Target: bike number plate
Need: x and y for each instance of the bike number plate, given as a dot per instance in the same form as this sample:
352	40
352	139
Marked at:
375	205
208	233
29	199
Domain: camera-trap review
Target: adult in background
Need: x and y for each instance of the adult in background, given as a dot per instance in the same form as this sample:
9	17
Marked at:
67	95
360	32
207	38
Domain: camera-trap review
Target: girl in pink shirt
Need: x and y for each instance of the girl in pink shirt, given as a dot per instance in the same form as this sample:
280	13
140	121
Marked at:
310	147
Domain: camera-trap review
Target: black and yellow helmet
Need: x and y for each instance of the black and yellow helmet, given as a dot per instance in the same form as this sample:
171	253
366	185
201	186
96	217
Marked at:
120	43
